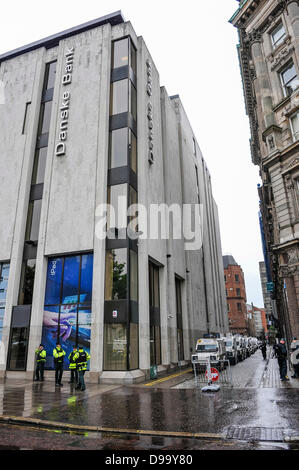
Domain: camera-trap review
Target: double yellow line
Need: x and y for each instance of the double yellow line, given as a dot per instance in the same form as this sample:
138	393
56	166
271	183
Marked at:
164	379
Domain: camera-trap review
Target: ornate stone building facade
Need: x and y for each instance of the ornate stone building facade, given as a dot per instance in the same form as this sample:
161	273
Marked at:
269	55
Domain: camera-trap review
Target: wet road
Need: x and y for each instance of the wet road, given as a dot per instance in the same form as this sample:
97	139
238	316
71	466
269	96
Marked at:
258	412
18	438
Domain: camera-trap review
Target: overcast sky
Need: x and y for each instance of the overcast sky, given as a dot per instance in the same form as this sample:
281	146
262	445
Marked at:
194	49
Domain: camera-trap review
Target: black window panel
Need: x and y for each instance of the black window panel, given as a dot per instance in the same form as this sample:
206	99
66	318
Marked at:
120	74
21	316
27	282
42	141
119	306
18	349
48	95
36	192
30	251
122	120
121	175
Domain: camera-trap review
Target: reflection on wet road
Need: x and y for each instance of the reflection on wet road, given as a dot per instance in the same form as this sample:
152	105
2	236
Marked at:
269	414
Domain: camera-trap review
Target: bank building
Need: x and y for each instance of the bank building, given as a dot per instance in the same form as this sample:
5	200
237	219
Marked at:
85	122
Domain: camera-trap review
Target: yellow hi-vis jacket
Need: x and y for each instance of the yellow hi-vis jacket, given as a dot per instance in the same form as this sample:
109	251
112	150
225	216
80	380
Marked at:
58	354
81	357
72	360
40	355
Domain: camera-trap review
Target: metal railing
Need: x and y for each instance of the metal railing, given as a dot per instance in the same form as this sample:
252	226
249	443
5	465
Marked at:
220	373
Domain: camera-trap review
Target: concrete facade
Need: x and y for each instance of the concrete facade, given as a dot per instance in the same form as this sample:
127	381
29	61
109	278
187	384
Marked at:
76	183
269	52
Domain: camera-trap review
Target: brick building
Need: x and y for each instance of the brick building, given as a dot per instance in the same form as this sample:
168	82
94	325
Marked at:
235	295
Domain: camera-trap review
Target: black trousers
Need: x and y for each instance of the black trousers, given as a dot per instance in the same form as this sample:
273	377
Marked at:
74	375
81	378
58	372
264	352
39	371
283	367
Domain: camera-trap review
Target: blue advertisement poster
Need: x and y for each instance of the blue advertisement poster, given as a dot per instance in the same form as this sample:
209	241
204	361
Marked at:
68	319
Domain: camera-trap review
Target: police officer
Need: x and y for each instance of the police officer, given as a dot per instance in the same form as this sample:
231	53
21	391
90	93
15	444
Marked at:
81	359
40	354
281	354
73	366
58	354
263	348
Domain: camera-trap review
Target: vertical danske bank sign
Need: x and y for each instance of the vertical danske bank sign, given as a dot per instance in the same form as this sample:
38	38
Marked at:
60	148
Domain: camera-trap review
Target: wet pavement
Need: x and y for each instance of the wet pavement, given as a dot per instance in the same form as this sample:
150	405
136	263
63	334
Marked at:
18	438
258	411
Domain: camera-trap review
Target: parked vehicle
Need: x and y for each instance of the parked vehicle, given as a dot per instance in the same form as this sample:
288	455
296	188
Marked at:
240	347
253	344
231	349
213	348
247	346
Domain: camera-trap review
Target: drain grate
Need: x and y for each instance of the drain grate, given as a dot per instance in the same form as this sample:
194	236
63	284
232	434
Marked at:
256	434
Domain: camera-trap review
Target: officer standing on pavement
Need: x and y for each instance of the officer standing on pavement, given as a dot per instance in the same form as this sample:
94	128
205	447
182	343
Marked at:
73	366
81	358
40	363
281	354
58	354
263	348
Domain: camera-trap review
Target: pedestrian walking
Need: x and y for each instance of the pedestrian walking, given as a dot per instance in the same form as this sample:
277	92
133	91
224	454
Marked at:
58	354
40	354
263	348
282	354
81	358
295	360
73	366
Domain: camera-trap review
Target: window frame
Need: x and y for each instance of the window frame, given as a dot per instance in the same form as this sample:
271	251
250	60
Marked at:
284	85
277	43
292	127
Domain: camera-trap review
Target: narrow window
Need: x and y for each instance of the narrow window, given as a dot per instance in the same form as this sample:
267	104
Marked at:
120	53
289	79
295	126
26	118
278	35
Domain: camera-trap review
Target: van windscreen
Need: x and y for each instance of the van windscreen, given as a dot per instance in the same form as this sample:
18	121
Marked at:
206	348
